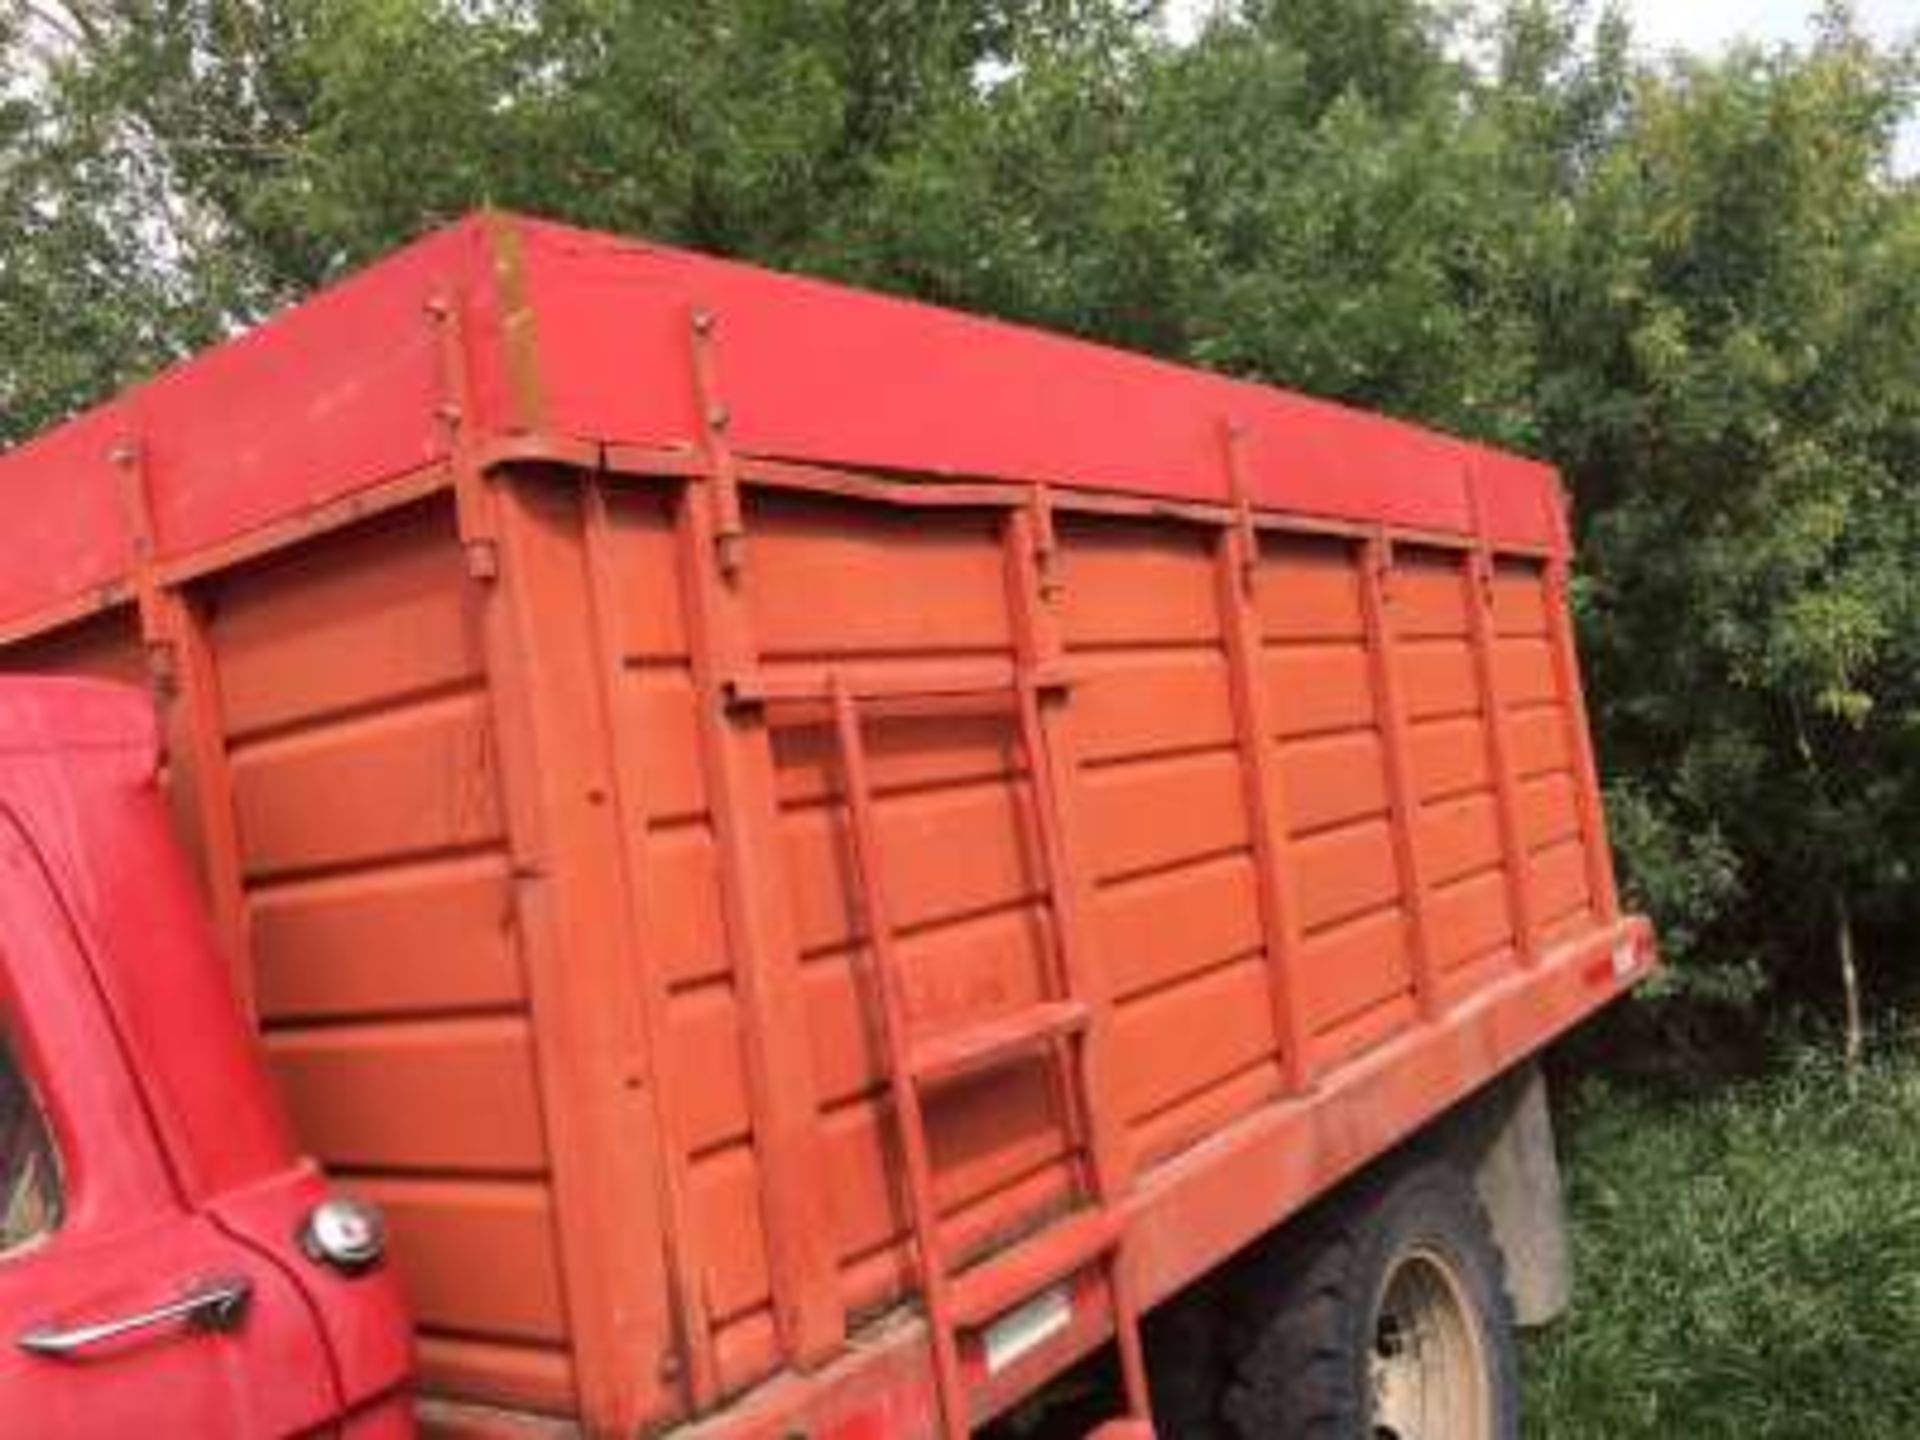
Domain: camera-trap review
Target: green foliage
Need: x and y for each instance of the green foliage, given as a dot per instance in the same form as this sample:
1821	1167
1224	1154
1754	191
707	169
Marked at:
1696	286
1750	306
1035	195
1747	1264
1687	877
1364	241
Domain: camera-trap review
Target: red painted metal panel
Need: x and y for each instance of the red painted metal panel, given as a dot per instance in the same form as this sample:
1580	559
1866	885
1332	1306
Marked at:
585	335
330	397
66	530
822	373
326	399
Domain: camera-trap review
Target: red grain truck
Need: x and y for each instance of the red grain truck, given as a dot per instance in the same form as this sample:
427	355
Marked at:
824	860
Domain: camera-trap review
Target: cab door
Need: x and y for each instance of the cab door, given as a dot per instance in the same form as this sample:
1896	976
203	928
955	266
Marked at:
122	1312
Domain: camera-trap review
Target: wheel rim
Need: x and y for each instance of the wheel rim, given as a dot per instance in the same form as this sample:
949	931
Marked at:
1428	1369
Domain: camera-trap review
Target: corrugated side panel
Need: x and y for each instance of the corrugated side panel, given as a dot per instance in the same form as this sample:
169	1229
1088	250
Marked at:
1355	963
837	583
833	581
1542	732
1450	750
1166	844
387	975
1168	840
702	1073
388	972
386	969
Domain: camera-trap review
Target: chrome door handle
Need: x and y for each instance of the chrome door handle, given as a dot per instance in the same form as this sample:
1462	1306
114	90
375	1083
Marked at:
208	1305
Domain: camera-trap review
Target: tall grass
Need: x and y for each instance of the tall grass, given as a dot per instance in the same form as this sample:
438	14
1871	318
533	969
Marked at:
1749	1263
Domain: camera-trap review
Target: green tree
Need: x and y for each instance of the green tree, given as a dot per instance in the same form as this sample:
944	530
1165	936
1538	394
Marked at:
1695	285
92	291
1732	392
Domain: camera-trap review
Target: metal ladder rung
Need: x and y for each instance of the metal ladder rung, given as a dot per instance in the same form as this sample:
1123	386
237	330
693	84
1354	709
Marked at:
799	710
988	687
973	1298
994	1044
1066	1247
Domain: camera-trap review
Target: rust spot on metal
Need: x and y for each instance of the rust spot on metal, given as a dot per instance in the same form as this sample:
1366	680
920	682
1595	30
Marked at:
519	326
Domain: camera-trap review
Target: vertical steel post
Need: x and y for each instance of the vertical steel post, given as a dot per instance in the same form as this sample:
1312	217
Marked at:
1486	642
684	1250
737	755
1376	569
1033	590
1033	587
1237	561
187	688
532	609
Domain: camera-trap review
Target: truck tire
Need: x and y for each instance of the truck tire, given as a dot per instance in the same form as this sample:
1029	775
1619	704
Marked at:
1381	1316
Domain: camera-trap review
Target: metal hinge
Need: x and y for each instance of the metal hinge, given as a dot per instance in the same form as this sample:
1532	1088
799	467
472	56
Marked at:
716	422
472	499
1380	548
1245	527
1046	544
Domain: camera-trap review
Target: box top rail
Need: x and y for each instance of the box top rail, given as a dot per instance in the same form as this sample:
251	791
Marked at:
584	338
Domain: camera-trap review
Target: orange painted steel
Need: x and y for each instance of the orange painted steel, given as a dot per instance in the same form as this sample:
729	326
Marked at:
1238	551
738	764
637	657
680	1227
909	1066
903	1075
1376	569
1520	892
183	683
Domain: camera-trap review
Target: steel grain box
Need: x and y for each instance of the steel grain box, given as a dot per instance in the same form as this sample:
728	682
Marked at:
474	591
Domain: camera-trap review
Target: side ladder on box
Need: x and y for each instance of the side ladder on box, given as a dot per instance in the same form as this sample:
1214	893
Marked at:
1054	1031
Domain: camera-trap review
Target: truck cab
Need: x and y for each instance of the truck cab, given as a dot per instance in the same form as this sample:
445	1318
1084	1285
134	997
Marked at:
169	1265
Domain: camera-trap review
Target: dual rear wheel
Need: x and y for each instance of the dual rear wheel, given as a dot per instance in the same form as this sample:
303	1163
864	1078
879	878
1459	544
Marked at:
1429	1375
1380	1315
